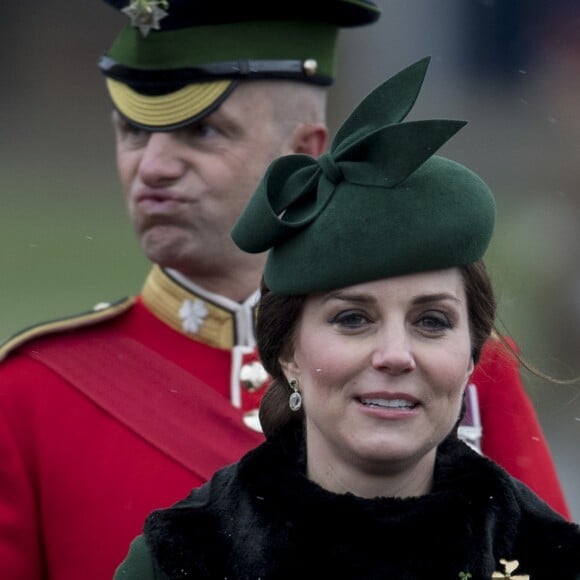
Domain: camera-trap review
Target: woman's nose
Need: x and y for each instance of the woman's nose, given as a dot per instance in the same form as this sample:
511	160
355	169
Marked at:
393	353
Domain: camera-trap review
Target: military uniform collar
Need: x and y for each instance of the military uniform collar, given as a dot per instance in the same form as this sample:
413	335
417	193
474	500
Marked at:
198	314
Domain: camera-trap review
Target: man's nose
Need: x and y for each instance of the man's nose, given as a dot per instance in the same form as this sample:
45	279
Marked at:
162	161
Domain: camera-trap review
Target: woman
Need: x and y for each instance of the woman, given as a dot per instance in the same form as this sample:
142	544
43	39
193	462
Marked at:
374	311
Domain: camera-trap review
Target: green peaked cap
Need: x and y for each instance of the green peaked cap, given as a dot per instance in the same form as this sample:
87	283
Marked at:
177	61
378	204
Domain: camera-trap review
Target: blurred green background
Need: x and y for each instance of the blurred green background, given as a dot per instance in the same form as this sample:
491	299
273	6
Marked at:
510	67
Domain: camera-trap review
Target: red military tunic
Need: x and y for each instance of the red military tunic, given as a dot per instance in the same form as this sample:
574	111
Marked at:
80	472
511	432
76	483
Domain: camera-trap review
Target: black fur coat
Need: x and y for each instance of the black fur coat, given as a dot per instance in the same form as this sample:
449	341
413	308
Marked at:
261	519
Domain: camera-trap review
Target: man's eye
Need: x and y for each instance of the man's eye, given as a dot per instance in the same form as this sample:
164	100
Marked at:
133	130
130	131
201	130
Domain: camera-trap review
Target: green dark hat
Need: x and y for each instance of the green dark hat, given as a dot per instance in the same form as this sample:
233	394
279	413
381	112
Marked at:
178	60
379	204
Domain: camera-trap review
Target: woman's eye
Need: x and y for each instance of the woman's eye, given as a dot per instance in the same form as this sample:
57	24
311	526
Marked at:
350	319
434	321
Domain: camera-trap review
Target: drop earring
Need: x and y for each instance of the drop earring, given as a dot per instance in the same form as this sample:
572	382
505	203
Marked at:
295	401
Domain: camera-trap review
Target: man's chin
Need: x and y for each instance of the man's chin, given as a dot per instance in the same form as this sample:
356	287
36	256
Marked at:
161	247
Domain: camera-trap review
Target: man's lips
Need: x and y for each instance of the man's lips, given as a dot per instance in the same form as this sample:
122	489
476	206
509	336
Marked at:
159	202
159	196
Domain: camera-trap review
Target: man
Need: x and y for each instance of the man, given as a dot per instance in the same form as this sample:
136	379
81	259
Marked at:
108	415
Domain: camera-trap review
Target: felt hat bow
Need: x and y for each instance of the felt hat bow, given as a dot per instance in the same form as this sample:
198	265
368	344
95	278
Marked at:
378	204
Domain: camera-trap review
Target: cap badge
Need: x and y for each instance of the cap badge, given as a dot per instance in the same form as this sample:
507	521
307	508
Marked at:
146	14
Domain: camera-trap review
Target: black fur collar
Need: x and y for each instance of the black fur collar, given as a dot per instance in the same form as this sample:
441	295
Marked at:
263	519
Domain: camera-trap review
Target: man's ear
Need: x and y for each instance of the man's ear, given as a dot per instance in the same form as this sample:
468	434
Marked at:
310	139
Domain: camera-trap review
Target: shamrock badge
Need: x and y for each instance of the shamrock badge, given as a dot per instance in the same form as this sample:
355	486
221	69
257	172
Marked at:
509	567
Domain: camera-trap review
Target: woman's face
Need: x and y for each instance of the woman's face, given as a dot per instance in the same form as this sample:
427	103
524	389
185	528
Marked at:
382	367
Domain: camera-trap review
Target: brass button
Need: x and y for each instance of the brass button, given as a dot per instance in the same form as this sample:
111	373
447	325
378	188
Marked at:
310	67
253	376
252	420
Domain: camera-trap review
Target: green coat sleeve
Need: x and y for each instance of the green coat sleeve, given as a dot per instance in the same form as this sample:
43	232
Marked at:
138	565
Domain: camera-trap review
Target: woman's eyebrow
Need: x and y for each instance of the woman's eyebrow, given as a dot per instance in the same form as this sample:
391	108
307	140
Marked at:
349	297
439	297
360	297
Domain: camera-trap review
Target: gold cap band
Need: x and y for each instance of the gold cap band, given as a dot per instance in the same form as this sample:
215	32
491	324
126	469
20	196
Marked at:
169	110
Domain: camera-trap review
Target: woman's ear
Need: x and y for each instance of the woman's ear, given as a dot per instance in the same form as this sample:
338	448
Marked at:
289	367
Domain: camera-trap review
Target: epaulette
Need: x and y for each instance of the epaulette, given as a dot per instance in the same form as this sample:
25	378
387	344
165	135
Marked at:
99	313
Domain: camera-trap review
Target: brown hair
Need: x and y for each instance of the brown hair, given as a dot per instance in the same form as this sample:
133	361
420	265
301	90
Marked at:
278	317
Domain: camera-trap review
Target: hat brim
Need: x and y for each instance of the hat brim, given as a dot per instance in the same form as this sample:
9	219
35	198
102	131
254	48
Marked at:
172	110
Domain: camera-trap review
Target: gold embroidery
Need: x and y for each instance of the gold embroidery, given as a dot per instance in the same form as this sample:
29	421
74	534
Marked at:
165	297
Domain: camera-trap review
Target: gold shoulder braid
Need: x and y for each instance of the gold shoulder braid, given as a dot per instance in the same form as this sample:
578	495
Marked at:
99	313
